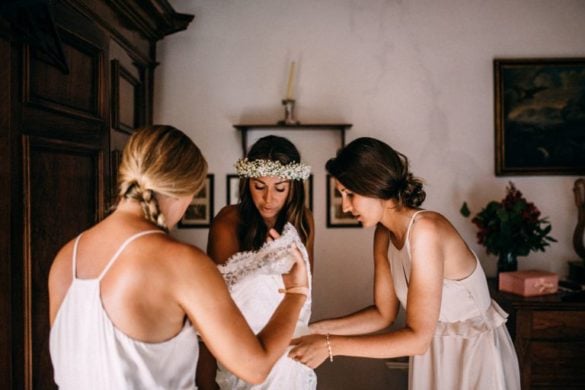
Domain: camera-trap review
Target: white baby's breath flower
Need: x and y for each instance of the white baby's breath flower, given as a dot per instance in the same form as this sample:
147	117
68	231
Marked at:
261	168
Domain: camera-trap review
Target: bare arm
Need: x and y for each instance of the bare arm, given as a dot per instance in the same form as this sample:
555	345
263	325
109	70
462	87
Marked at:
424	301
311	239
201	292
223	242
386	305
60	278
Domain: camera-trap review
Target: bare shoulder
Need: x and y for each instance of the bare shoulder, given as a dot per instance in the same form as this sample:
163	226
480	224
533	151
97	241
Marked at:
223	235
172	252
431	225
228	215
62	267
60	278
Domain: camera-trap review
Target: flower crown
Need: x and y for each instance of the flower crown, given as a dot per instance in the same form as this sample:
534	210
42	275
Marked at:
261	168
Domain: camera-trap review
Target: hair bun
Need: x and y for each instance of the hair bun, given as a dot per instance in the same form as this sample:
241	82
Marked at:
412	193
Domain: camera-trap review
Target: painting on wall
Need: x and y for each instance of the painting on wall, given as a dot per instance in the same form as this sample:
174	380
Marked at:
335	215
540	116
200	212
309	192
232	186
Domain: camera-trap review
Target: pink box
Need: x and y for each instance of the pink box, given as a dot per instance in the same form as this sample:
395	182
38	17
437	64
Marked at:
529	283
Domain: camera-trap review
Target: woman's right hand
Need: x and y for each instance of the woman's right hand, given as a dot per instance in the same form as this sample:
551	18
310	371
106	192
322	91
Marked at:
297	276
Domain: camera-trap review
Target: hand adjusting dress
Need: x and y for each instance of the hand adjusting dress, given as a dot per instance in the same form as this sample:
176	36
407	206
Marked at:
472	348
89	352
254	278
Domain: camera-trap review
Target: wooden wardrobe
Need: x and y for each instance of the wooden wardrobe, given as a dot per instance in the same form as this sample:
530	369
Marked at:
76	76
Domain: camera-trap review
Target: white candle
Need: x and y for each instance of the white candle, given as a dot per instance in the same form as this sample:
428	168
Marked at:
291	76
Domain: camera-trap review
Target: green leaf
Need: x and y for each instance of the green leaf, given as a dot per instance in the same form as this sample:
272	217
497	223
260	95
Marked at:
464	210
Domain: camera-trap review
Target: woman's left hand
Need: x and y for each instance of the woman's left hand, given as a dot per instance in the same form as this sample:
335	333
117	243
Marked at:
311	350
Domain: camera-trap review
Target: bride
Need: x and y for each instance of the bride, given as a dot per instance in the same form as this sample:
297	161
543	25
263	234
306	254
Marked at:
250	241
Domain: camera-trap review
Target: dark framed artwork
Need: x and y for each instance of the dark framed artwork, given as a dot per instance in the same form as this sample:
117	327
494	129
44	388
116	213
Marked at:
127	104
199	214
232	186
309	192
540	116
336	218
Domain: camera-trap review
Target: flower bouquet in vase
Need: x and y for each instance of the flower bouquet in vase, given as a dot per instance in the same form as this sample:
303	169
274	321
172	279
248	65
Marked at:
510	228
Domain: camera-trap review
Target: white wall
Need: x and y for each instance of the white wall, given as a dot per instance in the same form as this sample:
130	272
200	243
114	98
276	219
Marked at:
416	74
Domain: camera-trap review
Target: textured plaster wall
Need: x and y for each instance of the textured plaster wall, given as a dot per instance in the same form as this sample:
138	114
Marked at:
416	74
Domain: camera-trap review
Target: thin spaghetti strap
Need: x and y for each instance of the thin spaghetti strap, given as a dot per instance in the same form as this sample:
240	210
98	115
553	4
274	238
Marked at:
74	257
122	247
410	223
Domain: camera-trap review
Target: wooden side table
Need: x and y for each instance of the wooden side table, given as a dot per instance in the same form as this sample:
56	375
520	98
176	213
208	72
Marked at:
549	336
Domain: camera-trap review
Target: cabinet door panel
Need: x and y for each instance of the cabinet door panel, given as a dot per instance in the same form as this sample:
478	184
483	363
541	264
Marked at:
557	364
558	325
75	93
61	194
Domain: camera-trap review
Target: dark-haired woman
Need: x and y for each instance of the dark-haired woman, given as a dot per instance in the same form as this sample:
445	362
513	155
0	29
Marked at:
272	196
454	333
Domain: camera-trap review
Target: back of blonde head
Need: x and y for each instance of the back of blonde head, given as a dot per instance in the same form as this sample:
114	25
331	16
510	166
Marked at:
161	160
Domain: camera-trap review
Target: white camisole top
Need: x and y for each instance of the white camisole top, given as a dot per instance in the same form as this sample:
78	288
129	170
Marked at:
89	352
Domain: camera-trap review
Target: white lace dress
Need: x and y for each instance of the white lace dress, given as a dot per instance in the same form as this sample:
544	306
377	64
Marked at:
254	279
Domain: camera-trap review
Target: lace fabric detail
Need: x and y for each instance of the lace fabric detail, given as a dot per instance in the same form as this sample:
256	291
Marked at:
273	258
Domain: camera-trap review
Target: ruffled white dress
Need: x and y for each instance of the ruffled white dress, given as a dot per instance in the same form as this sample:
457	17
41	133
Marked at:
472	348
254	278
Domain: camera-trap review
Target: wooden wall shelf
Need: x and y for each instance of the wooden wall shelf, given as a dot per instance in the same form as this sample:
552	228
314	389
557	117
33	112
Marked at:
244	128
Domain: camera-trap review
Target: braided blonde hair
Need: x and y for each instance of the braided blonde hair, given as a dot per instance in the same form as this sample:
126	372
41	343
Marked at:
159	159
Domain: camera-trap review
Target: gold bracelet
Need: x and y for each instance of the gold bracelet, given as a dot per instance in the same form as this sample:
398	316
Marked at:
329	347
295	290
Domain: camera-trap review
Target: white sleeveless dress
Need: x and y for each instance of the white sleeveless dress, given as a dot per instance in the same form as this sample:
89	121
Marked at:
254	278
89	352
471	349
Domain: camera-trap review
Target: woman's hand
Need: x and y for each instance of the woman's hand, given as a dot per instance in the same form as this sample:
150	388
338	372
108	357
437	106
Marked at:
297	276
311	350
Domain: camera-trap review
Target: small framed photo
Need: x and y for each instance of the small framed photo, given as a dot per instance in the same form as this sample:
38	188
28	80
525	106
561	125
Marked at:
336	218
540	116
232	185
200	212
127	99
309	192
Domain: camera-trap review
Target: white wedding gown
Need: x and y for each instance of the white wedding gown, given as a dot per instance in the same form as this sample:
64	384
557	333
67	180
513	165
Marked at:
254	279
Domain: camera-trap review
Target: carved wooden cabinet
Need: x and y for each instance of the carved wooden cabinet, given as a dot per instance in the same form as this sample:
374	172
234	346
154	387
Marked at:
549	336
76	76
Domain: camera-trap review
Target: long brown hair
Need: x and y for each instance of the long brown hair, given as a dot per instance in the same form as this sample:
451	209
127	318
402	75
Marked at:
252	229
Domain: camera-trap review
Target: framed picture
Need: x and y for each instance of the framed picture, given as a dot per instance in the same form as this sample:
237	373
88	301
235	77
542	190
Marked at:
200	212
540	116
232	186
127	111
309	192
335	215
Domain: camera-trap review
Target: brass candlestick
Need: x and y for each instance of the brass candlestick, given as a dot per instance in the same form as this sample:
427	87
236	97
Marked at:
289	113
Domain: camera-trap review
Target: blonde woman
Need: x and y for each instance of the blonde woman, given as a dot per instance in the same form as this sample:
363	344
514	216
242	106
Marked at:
127	300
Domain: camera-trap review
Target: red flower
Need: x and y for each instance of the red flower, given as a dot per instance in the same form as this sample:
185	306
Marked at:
512	225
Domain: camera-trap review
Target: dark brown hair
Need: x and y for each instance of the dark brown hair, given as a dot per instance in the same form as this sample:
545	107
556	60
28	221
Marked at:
252	230
371	168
